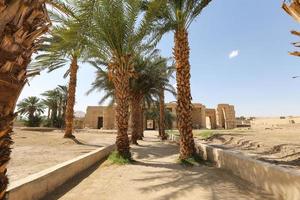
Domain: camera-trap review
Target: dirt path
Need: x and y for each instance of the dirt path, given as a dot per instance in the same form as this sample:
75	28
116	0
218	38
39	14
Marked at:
156	175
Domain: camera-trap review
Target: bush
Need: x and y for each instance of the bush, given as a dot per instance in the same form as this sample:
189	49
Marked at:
116	158
34	121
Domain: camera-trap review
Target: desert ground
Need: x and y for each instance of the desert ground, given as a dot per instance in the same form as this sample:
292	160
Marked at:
34	151
279	145
157	175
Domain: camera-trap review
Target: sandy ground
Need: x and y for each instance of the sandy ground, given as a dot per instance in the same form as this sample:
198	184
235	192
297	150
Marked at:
156	175
280	145
35	151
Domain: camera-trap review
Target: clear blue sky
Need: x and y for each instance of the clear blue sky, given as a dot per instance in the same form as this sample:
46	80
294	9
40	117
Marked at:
257	77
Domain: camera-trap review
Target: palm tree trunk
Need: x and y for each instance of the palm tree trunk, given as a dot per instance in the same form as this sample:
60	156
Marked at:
7	107
184	98
162	114
21	23
135	117
120	76
141	121
71	99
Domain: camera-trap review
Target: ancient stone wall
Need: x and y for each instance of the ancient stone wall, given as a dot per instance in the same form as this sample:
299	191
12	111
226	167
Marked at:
211	118
198	116
92	114
107	114
225	116
109	119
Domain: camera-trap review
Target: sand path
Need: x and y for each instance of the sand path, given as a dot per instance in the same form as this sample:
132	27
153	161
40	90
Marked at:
156	175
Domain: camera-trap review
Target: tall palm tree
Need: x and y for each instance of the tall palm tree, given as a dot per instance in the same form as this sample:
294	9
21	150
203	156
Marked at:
152	81
149	78
21	24
166	73
66	44
177	16
116	30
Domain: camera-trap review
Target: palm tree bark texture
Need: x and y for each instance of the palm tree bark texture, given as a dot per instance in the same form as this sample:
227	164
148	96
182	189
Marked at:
120	74
21	23
71	99
184	98
162	132
136	111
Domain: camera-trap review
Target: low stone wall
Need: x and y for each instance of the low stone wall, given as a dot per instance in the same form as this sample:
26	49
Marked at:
283	183
38	185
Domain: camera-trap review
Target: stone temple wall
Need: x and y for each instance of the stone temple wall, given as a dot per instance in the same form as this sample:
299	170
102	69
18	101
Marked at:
211	118
226	116
221	118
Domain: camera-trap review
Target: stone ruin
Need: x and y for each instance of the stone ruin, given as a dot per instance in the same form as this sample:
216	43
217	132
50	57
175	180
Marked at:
223	117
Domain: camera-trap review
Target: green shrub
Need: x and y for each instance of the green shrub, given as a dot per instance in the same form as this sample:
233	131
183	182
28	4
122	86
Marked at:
116	158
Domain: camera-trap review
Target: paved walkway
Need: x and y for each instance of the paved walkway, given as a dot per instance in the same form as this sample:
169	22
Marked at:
156	175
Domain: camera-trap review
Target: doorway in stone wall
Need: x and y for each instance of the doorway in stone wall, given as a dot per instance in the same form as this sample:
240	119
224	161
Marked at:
100	122
208	123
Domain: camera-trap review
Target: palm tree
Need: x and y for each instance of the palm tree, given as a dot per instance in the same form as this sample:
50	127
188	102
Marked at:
166	73
293	9
66	44
33	107
177	16
152	81
116	30
56	101
147	82
21	24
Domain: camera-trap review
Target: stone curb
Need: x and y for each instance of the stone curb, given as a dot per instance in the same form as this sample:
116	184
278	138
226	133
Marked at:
38	185
282	183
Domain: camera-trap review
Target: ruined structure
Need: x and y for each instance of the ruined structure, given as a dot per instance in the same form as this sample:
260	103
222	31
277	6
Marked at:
103	117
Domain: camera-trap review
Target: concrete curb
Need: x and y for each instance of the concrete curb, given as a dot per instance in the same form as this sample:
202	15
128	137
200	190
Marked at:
283	183
38	185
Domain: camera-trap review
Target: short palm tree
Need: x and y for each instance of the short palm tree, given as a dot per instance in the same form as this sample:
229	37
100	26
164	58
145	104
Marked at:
66	44
21	24
177	16
116	30
56	101
31	107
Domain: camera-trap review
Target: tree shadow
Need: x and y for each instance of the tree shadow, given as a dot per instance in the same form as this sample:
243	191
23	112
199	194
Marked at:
84	144
178	181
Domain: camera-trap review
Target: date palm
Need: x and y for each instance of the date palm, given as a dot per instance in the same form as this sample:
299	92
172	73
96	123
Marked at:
116	30
177	16
31	106
56	101
149	78
292	7
21	24
65	45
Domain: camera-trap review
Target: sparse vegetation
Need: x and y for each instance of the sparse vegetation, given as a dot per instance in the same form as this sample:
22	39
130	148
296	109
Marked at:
191	161
116	158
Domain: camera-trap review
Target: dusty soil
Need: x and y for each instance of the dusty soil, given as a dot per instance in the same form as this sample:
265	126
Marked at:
278	145
34	151
157	175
